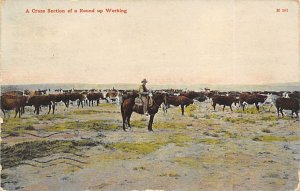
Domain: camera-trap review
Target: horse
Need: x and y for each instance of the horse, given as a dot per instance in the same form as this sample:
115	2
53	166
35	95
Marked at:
128	106
271	100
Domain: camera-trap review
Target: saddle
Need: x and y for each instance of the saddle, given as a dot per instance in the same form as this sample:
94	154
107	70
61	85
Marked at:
138	101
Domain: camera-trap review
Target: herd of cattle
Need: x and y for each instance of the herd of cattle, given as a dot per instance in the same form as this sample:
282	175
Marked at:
18	100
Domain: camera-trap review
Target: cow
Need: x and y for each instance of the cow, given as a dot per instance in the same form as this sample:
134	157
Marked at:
295	95
223	100
192	94
287	104
112	95
177	101
57	98
33	93
14	93
199	96
94	97
10	102
251	99
210	94
41	100
73	97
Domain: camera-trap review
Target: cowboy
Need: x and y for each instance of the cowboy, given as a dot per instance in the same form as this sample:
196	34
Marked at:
143	94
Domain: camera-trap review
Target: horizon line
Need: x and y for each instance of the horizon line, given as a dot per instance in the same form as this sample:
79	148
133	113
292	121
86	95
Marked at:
209	84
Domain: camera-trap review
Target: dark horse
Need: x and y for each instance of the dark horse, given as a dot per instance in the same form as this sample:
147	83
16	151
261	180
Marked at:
128	106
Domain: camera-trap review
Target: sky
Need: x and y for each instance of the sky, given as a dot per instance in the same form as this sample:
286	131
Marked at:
167	42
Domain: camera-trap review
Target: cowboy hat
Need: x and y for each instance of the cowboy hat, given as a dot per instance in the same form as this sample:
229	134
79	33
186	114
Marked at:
144	80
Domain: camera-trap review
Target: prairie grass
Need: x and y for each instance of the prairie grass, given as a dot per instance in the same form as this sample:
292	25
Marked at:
271	138
239	120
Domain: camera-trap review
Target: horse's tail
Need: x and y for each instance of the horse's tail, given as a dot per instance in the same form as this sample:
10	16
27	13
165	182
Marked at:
122	109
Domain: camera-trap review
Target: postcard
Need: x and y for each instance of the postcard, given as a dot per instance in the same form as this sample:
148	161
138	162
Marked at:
150	95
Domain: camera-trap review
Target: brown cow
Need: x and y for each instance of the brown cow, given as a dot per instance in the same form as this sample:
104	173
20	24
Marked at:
56	97
9	102
33	93
288	104
223	100
73	97
94	97
14	93
295	95
251	99
41	100
178	101
210	94
192	94
112	95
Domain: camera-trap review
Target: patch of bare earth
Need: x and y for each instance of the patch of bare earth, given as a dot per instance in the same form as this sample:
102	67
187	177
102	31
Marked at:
86	149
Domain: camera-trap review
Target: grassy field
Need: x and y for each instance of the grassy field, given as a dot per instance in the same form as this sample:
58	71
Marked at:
86	149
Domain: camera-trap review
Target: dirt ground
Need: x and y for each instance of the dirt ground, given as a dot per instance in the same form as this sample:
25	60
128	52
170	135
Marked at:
86	149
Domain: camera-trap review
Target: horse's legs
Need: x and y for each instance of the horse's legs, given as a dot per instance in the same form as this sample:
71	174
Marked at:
223	107
182	109
230	108
97	102
123	117
150	123
128	120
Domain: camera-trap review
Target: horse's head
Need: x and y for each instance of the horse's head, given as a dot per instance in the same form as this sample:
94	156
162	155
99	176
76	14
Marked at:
159	98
